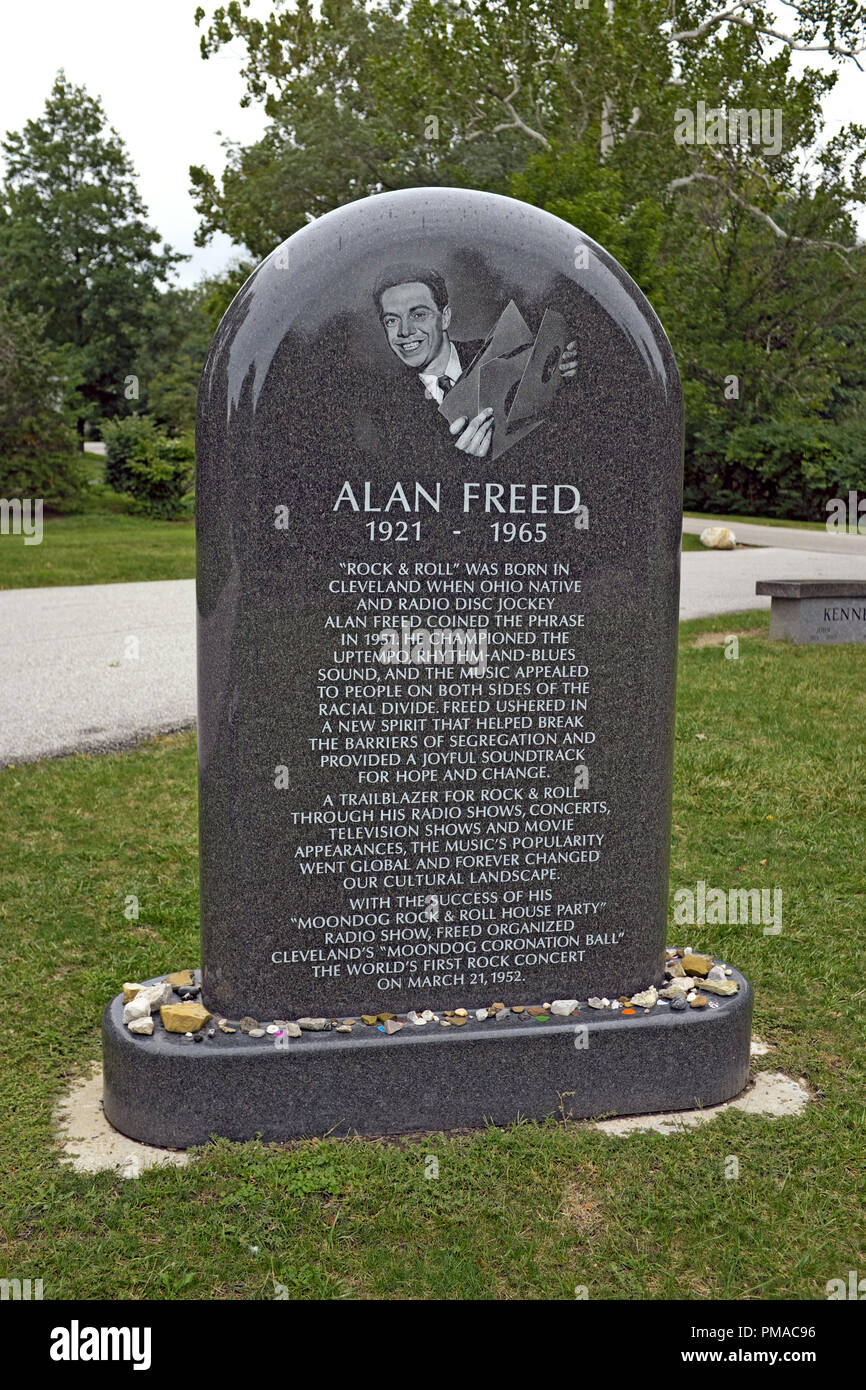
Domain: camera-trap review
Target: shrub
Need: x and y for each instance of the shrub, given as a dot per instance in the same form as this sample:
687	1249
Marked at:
57	476
129	437
142	460
774	468
162	481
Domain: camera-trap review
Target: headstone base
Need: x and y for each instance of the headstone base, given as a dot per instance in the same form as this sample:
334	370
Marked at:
172	1092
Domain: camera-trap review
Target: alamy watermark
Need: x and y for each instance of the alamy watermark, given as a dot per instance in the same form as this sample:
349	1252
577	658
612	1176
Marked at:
720	126
22	517
734	907
77	1343
847	515
20	1289
854	1288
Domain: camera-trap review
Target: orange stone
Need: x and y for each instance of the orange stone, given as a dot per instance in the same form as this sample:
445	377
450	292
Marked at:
181	977
183	1018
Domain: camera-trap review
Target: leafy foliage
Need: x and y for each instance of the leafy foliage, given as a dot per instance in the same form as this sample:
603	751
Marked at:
125	438
746	248
37	442
157	470
172	356
182	325
775	467
75	247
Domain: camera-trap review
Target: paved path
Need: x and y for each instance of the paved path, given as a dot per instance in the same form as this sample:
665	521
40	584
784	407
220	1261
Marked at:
723	581
70	679
831	542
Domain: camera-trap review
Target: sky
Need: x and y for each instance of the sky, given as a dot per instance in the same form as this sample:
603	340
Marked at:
141	57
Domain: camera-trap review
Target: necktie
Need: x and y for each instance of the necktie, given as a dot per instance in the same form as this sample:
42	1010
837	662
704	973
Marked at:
444	383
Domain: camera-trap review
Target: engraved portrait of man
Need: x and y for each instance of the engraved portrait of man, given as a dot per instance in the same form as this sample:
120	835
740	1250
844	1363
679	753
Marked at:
496	374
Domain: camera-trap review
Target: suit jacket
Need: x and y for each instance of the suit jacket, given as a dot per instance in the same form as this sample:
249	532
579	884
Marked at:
394	418
396	425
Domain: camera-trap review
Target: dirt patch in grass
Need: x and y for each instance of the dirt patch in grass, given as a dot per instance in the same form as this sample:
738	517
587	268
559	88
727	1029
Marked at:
580	1208
718	639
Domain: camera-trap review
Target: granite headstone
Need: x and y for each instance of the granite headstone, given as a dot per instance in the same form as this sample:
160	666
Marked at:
389	818
439	500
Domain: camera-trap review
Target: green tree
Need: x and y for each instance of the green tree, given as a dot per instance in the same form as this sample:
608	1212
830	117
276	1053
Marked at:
369	95
177	336
37	438
746	244
177	342
75	245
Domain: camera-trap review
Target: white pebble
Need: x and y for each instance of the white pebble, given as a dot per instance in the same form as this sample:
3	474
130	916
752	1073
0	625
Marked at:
142	1026
139	1007
158	994
480	1013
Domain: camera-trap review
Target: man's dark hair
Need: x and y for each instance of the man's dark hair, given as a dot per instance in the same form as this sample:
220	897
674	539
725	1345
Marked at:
411	274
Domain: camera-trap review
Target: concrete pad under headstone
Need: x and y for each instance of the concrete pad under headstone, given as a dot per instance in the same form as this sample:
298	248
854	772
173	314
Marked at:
92	1145
771	1094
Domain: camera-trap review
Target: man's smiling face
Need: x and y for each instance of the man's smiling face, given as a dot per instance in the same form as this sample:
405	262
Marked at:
414	325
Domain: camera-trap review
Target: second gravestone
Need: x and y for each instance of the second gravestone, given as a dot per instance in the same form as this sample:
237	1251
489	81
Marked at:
439	502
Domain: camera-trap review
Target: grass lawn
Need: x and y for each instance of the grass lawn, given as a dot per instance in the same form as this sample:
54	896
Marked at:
769	793
693	543
99	547
715	520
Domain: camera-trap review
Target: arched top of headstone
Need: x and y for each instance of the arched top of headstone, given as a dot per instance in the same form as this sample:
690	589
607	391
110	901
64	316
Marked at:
488	249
